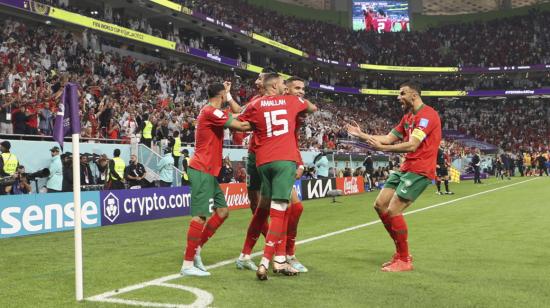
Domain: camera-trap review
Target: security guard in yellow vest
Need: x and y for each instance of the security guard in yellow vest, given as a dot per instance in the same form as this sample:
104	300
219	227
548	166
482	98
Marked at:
8	163
175	144
116	171
147	133
185	166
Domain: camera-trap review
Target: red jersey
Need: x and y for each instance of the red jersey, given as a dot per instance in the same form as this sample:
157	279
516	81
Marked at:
209	140
251	143
369	21
383	24
424	124
274	119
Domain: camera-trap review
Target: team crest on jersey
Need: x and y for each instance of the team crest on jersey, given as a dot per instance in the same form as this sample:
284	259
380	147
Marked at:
423	123
408	183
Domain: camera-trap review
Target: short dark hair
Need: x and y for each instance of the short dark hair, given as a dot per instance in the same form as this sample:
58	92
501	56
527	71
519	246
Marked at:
269	77
295	78
412	85
215	89
116	153
176	133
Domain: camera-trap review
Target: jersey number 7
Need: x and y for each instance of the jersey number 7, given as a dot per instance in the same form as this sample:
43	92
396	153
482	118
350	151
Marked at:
271	120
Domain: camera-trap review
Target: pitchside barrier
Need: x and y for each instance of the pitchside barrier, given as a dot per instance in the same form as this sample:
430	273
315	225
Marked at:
22	215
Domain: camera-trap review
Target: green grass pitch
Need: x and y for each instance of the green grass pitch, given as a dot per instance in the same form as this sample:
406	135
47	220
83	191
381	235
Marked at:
490	248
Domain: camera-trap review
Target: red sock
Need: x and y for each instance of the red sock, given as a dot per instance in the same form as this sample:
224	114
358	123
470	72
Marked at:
399	228
193	239
295	212
265	227
254	228
274	233
210	227
281	245
385	218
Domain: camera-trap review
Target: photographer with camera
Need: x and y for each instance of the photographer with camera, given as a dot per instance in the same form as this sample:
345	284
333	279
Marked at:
21	185
55	179
8	164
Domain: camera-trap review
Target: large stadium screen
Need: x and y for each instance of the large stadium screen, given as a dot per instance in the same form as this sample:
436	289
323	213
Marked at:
381	16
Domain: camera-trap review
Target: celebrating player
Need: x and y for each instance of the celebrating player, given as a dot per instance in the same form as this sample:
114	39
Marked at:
285	250
442	170
206	195
274	118
258	225
420	131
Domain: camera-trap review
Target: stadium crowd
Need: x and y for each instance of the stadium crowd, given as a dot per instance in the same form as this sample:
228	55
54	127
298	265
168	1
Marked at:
448	45
119	92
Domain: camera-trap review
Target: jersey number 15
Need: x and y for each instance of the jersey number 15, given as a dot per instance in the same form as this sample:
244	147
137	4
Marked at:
272	120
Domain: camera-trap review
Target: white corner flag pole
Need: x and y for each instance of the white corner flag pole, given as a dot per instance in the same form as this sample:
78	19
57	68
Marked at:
77	219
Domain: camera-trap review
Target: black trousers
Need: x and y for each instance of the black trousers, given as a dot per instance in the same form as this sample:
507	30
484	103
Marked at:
477	175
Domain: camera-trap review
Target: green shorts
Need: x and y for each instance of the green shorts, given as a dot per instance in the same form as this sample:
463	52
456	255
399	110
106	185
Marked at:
407	185
206	194
253	179
278	179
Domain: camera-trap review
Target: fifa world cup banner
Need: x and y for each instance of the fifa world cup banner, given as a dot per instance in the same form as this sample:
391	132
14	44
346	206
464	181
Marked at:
350	185
130	205
236	195
317	188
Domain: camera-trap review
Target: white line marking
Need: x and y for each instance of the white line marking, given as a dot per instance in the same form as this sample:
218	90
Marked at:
105	297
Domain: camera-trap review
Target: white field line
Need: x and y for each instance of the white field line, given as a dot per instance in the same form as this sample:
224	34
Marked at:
203	298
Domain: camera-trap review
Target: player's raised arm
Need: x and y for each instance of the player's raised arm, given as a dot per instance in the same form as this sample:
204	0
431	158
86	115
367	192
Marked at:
311	108
355	130
235	107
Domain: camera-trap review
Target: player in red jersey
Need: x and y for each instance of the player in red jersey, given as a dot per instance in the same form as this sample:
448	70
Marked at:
369	19
258	225
274	118
420	131
285	251
206	196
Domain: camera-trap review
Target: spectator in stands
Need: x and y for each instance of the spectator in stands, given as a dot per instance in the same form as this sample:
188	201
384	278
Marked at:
55	179
116	172
6	126
86	176
20	118
165	168
134	173
226	173
46	117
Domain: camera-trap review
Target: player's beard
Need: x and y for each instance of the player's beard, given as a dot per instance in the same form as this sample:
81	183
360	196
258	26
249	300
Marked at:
406	106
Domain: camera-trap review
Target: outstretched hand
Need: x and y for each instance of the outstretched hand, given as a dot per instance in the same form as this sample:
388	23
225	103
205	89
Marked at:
354	129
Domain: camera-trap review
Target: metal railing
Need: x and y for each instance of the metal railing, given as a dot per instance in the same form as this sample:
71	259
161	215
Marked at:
149	159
